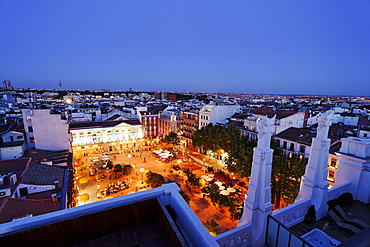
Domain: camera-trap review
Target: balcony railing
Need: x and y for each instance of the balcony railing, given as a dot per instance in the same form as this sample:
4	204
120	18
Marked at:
336	191
238	237
292	214
288	216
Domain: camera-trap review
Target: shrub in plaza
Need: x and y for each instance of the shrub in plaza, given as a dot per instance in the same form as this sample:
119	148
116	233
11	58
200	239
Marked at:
154	179
211	226
176	167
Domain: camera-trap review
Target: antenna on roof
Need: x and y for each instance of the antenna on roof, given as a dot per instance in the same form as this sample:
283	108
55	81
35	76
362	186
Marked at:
60	85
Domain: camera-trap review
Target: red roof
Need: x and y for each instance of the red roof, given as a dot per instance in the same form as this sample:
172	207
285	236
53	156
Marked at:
14	165
11	208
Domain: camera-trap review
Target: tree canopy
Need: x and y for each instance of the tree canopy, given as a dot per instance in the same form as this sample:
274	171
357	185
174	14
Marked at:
286	170
286	175
172	138
155	179
227	139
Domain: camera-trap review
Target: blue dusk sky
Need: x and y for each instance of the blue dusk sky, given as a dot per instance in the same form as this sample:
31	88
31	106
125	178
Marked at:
273	47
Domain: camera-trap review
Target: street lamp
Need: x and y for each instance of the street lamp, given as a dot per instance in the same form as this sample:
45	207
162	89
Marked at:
142	175
129	157
179	161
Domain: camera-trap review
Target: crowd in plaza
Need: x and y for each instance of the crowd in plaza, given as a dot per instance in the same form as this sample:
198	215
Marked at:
113	188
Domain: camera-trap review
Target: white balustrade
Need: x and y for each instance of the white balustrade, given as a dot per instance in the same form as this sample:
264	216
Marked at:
336	191
238	237
292	214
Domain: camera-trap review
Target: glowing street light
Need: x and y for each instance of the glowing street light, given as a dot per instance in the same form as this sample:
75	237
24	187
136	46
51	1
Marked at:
142	175
129	157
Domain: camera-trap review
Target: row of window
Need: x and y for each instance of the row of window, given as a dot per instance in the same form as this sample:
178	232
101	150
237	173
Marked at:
302	148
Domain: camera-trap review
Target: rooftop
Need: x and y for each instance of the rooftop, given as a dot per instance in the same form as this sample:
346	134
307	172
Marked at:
358	209
14	165
40	174
11	208
142	219
101	124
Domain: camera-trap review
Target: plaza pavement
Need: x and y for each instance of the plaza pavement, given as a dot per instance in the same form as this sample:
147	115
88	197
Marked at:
203	208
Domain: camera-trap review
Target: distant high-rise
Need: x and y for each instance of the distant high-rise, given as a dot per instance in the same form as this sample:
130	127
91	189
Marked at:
7	85
165	96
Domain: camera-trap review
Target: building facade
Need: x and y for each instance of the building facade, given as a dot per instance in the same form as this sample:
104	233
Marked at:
86	133
46	131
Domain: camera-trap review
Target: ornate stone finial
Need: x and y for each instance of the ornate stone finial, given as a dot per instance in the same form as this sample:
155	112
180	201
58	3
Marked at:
265	130
324	122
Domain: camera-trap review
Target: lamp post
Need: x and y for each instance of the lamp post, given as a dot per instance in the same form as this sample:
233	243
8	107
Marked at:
129	157
142	175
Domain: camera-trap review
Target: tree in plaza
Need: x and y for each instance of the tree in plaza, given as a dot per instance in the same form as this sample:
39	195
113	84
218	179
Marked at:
117	168
192	178
211	226
212	190
227	139
110	164
155	179
295	171
172	138
127	169
286	175
235	208
241	156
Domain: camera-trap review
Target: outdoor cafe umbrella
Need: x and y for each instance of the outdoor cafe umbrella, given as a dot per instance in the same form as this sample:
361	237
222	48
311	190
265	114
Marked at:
221	187
84	197
231	190
83	181
218	183
225	192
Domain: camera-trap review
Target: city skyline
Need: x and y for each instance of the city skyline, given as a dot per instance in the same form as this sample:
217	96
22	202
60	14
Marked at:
310	48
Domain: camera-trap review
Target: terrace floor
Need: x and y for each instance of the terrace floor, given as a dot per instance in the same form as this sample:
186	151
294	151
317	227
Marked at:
358	209
147	234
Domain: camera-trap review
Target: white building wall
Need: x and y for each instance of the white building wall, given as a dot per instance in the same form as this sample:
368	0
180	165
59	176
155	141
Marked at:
122	132
49	130
221	112
295	120
354	167
313	120
364	133
12	136
15	152
204	119
216	114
